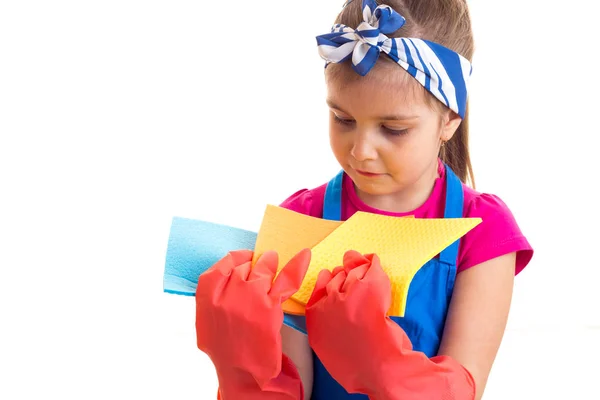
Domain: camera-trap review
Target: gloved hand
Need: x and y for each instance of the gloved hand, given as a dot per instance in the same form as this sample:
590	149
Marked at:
363	349
238	322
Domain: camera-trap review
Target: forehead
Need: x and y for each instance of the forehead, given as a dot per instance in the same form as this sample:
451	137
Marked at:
387	88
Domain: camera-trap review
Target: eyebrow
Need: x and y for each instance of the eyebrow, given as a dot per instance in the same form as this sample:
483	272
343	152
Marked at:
396	117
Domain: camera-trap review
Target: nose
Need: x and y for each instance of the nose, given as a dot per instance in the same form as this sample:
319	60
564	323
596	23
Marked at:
364	147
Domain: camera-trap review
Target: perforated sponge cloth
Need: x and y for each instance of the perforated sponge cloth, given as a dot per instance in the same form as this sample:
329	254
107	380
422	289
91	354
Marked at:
403	245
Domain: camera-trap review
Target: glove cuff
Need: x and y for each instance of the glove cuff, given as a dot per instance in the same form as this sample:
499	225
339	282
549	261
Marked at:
242	385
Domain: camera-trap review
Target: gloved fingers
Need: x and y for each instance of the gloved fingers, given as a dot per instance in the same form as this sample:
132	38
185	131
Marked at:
290	278
335	284
376	275
354	276
337	270
241	256
225	265
241	272
265	267
377	282
215	278
353	259
319	291
357	266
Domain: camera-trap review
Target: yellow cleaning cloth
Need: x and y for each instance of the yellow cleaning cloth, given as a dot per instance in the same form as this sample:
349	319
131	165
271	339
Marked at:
403	245
288	232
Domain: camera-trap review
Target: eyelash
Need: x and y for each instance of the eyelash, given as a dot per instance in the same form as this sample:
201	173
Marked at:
349	122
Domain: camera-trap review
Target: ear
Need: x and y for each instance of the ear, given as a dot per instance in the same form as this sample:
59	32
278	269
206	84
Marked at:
450	123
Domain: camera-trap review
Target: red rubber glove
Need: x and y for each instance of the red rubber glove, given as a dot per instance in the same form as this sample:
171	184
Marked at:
367	352
238	322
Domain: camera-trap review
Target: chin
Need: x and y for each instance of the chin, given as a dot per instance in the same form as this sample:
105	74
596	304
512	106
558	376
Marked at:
372	188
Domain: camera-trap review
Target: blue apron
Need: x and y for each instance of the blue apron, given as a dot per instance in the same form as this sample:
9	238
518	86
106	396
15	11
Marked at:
428	296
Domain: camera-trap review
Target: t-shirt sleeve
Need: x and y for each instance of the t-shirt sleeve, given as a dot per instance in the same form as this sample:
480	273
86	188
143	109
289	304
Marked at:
307	202
498	234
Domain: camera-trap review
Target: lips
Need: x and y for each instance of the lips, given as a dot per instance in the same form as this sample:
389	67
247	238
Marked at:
368	173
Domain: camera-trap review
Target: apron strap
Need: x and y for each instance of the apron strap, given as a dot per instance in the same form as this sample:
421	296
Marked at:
332	206
454	209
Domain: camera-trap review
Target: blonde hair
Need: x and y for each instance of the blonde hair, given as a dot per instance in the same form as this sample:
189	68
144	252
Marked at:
448	23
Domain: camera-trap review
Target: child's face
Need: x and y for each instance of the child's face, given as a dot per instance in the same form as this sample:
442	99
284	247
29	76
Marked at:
382	131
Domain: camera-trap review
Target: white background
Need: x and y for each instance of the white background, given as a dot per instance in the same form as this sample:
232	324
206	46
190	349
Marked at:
116	116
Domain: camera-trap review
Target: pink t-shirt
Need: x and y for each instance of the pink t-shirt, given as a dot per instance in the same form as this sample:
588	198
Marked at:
496	235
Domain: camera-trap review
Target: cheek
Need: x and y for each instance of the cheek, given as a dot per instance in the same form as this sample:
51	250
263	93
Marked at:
406	154
337	146
426	139
337	138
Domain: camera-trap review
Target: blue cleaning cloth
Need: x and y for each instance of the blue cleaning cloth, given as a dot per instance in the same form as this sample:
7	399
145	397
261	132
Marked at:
195	245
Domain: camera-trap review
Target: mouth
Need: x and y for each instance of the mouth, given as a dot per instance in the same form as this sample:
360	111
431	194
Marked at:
368	174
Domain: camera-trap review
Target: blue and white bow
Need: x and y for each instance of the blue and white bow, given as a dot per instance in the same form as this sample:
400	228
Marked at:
440	70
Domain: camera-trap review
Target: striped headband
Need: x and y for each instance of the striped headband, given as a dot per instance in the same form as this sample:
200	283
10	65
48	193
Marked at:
440	70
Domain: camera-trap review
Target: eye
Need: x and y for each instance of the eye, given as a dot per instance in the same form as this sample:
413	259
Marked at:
343	121
394	132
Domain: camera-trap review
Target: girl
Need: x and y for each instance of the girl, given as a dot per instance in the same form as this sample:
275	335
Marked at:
396	77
